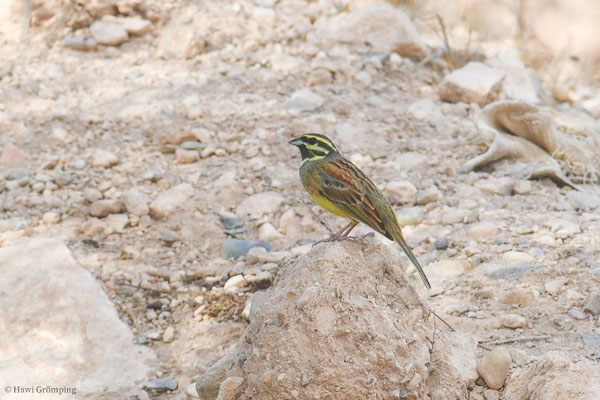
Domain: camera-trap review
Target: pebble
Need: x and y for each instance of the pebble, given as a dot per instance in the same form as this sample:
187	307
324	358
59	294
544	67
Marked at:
593	304
186	156
231	221
117	222
168	236
582	201
79	43
410	216
51	217
262	279
101	208
577	314
93	227
441	244
268	233
516	297
166	203
11	156
161	385
512	321
104	159
508	273
500	186
405	191
190	391
260	203
455	215
446	269
136	26
136	202
234	248
563	227
473	83
260	255
108	33
234	284
229	387
429	195
554	287
494	366
303	100
18	173
483	231
319	76
516	257
168	334
142	339
423	109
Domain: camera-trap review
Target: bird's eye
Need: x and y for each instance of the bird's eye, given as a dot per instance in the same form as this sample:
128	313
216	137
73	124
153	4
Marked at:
311	140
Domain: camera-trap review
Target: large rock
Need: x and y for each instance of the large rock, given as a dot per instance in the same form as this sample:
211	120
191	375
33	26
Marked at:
384	27
473	83
555	375
331	316
59	327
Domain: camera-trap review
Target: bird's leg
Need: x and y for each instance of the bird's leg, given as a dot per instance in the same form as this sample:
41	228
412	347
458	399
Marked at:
345	235
336	236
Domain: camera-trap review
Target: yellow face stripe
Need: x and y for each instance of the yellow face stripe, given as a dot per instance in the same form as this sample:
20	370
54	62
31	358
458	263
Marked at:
321	143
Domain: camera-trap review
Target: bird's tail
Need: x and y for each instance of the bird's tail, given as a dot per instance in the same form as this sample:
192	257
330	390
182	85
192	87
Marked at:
397	235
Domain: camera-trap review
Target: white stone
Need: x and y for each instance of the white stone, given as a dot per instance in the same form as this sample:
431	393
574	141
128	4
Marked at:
473	83
108	33
234	283
168	334
184	156
405	190
304	100
136	202
512	321
446	269
386	28
563	227
516	257
117	222
268	233
581	200
166	203
136	26
423	109
517	84
104	159
554	287
59	326
260	204
482	231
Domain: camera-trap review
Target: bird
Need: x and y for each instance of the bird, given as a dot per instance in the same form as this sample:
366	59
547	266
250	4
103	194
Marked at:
340	187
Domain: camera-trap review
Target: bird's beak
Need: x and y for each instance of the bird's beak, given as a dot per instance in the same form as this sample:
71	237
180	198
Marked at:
296	142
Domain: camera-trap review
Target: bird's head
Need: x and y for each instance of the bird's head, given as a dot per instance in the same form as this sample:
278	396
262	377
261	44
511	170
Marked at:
313	146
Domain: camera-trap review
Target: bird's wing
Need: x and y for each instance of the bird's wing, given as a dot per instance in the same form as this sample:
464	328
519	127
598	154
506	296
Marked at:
345	186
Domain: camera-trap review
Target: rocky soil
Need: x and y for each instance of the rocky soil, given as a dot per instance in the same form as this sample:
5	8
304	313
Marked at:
150	137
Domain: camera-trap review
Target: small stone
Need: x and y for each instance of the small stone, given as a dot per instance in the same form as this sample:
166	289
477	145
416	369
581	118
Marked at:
192	145
108	33
136	26
260	204
93	227
563	227
303	100
117	222
522	187
79	43
268	233
473	83
508	273
228	388
18	173
104	159
441	244
168	334
142	339
581	200
428	196
512	321
136	202
234	248
593	304
577	314
516	297
190	391
12	156
554	287
51	217
263	279
259	254
363	77
410	216
166	203
231	221
161	385
483	231
101	208
516	257
446	269
404	191
500	186
455	215
168	236
319	76
234	283
494	366
186	156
